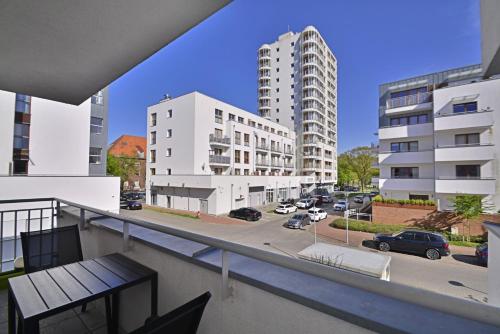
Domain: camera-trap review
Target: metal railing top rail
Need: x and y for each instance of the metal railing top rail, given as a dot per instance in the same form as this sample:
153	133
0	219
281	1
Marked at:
431	300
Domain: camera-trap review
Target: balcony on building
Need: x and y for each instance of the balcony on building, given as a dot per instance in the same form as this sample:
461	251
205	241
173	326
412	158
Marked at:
215	140
401	158
262	163
276	149
219	160
289	152
405	131
407	184
470	152
464	120
263	148
468	185
409	103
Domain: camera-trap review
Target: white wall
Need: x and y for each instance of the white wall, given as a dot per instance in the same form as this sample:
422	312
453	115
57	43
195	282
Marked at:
7	107
94	191
59	138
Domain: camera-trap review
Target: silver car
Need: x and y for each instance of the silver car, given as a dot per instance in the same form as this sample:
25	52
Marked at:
298	220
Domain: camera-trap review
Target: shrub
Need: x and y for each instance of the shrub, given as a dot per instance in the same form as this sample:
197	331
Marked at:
421	202
378	198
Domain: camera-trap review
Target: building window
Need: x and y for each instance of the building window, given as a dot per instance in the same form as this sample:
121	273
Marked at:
96	125
232	117
95	155
292	86
404	172
20	167
218	133
237	156
21	136
419	197
277	90
410	146
246	139
169	133
277	99
237	138
292	54
246	157
468	171
277	79
277	109
292	118
277	120
169	152
277	69
467	139
218	171
246	172
23	103
465	107
292	75
169	113
153	138
152	171
291	96
169	171
409	120
98	98
237	171
153	119
277	60
152	156
292	64
241	120
292	44
218	116
277	49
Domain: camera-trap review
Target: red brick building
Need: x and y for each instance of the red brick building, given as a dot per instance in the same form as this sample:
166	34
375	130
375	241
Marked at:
133	147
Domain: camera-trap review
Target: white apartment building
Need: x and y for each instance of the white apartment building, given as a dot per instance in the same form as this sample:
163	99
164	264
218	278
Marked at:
206	155
438	137
46	149
297	87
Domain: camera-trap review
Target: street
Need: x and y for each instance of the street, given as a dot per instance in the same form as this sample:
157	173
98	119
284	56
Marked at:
455	275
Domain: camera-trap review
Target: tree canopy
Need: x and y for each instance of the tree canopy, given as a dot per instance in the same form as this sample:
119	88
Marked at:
123	167
356	166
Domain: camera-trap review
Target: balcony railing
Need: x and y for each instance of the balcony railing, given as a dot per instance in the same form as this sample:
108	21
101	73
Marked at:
262	147
409	100
213	139
219	159
276	164
289	152
276	149
262	163
232	272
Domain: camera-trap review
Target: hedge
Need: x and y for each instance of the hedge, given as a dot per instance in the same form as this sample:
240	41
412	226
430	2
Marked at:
422	202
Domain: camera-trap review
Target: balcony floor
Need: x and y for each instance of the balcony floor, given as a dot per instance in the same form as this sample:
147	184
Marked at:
72	321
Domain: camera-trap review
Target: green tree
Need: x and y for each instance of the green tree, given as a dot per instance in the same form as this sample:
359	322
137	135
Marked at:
468	207
123	167
345	175
360	160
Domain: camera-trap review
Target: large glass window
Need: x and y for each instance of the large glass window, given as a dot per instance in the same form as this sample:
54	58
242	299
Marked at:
467	139
96	125
237	156
465	107
409	120
404	172
98	98
153	137
23	103
468	171
95	155
20	167
153	119
21	136
413	91
410	146
218	116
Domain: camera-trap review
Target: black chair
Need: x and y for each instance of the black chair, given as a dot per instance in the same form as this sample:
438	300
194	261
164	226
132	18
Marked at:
182	320
51	248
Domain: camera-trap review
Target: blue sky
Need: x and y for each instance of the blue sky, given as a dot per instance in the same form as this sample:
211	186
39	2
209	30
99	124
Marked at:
374	42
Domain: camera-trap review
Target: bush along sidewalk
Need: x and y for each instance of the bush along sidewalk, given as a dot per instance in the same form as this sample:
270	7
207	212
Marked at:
364	226
380	199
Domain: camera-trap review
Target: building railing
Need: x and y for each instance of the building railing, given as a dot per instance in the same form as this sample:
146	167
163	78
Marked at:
276	149
220	159
219	140
409	100
471	316
289	165
263	163
289	152
277	164
263	147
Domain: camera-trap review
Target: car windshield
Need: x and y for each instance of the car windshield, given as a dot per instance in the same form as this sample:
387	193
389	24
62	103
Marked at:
281	206
298	217
341	201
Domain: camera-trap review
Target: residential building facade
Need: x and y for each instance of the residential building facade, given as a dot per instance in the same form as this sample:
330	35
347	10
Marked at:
438	137
134	148
297	87
98	133
195	137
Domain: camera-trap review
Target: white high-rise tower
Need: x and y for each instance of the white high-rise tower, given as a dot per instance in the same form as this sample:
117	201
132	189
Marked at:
298	88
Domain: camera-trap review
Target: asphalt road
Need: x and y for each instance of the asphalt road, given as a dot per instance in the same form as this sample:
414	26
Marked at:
455	275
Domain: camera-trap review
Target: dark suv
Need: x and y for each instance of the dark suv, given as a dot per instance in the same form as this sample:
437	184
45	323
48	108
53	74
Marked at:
432	245
246	213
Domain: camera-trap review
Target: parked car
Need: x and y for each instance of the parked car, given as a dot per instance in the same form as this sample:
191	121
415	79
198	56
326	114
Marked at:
316	214
305	203
374	193
318	200
341	205
246	213
431	244
288	201
299	220
285	208
134	205
359	199
482	254
327	199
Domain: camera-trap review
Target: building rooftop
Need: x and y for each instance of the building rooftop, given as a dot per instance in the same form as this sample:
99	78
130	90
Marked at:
129	146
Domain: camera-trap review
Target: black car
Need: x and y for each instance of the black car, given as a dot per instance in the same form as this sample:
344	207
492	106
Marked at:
134	205
432	245
299	220
482	254
288	201
246	213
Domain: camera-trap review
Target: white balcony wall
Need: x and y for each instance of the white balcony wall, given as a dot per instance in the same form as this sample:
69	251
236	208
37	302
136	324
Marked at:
424	143
409	109
417	130
410	185
475	187
447	138
447	170
465	153
463	121
403	158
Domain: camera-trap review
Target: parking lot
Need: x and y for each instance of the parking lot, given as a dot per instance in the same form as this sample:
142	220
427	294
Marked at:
457	275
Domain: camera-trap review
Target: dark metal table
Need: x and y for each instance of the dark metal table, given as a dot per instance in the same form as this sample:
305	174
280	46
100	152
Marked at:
44	293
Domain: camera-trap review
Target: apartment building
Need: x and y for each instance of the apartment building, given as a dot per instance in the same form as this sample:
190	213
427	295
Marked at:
297	87
206	155
438	137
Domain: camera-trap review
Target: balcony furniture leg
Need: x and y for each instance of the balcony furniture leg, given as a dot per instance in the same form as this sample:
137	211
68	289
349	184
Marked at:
109	316
11	313
154	296
115	312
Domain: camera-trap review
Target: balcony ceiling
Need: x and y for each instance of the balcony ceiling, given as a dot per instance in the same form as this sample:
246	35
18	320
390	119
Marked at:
68	50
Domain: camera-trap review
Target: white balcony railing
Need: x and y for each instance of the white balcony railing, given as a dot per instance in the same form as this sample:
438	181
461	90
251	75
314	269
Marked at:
475	152
417	157
414	184
480	119
474	186
219	160
408	100
405	131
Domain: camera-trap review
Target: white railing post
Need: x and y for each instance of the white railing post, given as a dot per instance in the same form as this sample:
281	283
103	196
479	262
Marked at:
226	290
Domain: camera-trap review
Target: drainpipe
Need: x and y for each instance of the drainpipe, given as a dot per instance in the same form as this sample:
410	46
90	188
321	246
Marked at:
232	196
